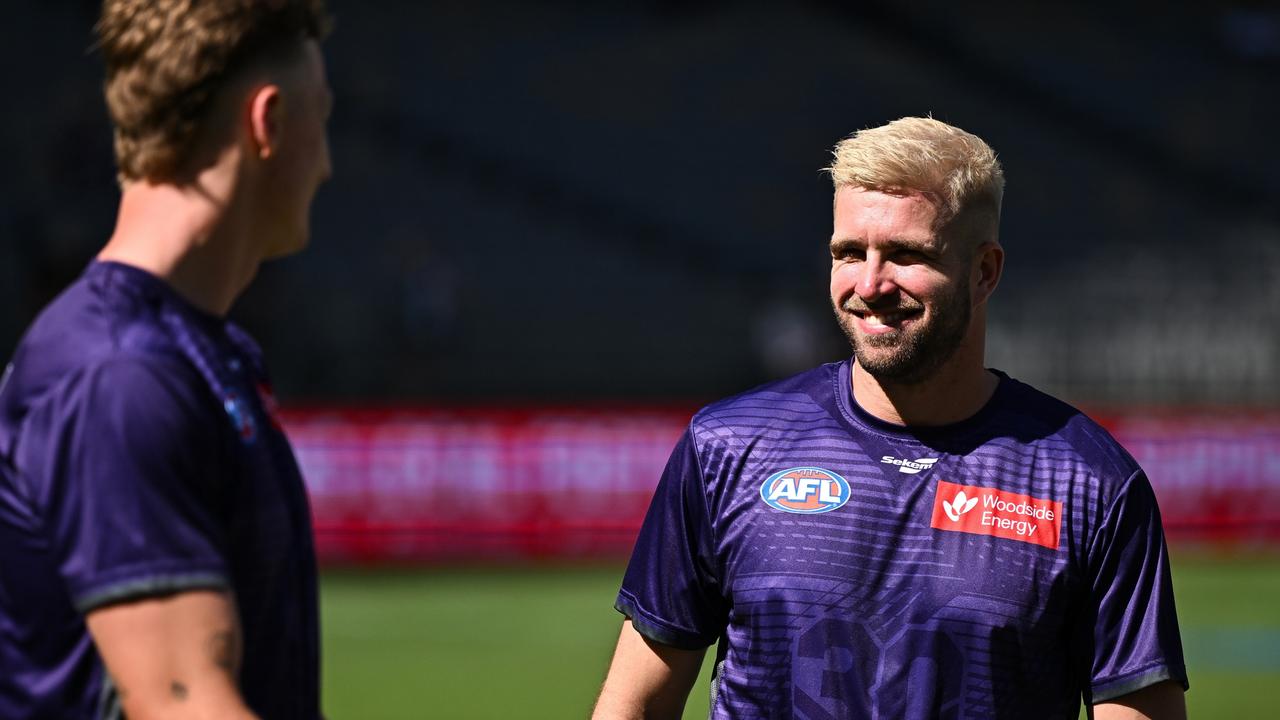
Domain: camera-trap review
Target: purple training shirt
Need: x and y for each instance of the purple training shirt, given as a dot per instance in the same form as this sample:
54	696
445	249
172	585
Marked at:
137	457
1004	566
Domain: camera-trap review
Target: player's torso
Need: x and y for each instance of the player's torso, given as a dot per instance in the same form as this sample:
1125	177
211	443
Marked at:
876	576
268	528
248	482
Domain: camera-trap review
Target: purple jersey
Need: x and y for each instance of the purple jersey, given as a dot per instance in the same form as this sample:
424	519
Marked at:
137	457
1003	566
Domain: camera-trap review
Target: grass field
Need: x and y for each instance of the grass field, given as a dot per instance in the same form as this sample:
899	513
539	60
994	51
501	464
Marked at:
535	642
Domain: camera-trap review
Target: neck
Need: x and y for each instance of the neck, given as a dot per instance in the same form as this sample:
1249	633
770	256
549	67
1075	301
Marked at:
956	392
187	236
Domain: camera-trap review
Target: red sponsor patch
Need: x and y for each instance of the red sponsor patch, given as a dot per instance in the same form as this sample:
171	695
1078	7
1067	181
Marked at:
988	511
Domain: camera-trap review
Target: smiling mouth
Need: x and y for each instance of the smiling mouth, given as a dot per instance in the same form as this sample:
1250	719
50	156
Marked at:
885	319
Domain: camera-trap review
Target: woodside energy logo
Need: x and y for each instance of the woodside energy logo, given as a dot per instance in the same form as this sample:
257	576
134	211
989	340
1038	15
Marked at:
988	511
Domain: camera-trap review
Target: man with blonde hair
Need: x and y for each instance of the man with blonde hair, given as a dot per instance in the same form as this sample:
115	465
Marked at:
906	534
156	556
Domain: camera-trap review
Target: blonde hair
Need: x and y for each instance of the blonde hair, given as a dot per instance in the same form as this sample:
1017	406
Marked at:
166	60
955	169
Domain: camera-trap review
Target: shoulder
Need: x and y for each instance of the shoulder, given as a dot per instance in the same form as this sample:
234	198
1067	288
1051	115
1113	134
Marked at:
86	344
135	399
1043	419
799	394
88	322
116	423
797	401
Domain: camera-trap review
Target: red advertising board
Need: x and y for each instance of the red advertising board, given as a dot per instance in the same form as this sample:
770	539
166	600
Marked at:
1215	473
436	485
457	485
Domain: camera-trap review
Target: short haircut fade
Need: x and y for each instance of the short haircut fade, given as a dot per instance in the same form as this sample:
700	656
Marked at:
166	60
956	169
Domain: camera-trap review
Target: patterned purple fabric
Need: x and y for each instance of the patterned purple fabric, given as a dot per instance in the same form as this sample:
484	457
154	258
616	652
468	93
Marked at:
899	598
137	458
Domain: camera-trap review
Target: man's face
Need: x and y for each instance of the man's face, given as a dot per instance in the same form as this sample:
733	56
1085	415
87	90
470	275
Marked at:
900	293
303	161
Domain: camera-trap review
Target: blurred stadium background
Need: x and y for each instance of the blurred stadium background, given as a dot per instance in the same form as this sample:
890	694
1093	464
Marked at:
556	229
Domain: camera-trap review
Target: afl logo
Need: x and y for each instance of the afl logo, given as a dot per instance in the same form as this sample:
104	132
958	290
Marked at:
805	490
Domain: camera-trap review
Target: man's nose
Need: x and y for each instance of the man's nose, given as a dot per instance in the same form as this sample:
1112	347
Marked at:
875	279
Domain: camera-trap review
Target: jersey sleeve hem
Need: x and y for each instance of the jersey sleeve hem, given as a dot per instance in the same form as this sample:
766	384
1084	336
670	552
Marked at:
144	584
657	629
1135	681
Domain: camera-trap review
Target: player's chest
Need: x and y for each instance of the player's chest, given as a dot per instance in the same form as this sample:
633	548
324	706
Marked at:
886	516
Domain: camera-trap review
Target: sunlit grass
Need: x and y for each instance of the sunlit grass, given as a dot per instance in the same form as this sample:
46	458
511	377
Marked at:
534	642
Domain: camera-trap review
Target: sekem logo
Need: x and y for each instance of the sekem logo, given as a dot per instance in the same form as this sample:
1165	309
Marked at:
805	490
910	467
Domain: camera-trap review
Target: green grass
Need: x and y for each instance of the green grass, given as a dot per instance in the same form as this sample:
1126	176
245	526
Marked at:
467	644
1229	611
535	642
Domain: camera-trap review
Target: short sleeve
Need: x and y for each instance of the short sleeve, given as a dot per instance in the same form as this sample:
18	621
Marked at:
126	483
670	590
1132	633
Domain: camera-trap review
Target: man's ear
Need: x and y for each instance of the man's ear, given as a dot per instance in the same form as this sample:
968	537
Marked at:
264	120
988	266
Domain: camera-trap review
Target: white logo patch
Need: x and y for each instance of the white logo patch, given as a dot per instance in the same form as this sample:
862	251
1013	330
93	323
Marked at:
958	506
910	467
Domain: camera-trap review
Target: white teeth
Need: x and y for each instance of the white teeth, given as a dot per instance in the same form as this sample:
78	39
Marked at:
882	320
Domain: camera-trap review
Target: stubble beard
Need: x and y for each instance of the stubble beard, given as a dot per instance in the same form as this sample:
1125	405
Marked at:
915	355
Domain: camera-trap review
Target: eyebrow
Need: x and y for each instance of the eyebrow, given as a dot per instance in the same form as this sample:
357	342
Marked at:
840	245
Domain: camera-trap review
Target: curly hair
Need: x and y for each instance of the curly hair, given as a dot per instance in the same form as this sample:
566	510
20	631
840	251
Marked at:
957	169
167	59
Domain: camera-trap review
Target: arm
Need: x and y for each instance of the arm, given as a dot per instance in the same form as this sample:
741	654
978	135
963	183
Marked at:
647	679
1128	634
173	656
1162	701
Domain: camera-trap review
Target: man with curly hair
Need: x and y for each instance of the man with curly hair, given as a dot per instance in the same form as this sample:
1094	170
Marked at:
156	556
